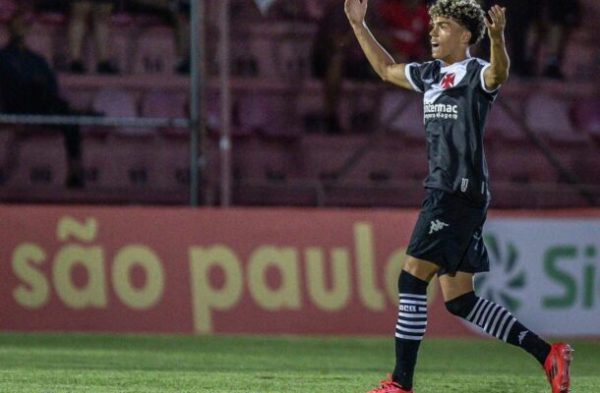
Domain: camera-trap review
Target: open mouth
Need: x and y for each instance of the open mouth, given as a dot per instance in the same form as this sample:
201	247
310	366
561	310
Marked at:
435	45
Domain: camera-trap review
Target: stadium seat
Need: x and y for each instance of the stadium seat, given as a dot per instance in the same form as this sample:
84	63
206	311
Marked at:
8	152
520	165
549	117
40	159
502	126
586	117
171	167
265	160
402	114
165	104
259	111
154	51
119	103
130	148
98	163
121	49
323	156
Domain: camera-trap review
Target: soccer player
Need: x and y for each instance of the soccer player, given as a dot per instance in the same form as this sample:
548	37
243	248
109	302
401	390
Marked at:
458	93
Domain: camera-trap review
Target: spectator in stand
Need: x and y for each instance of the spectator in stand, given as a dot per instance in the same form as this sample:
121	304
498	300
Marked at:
337	56
176	14
561	17
522	15
98	11
537	27
29	86
408	24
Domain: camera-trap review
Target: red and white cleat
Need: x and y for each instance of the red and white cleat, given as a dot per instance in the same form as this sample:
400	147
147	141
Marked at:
389	386
557	366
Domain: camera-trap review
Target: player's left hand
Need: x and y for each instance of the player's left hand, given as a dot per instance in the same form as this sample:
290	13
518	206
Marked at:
496	22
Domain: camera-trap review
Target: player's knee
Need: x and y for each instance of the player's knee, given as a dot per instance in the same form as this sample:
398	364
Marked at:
462	305
421	269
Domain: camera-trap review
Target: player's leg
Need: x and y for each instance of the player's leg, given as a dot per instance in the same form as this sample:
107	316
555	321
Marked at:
423	262
411	323
412	316
497	321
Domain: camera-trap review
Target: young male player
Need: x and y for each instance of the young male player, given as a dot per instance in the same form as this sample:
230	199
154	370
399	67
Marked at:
458	93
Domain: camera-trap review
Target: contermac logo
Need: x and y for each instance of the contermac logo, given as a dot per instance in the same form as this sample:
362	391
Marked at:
440	111
508	279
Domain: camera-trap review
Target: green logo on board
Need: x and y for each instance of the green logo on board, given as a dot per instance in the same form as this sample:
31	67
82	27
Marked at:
508	279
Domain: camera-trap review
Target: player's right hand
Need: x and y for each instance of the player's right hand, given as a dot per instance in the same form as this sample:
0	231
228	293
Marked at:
356	11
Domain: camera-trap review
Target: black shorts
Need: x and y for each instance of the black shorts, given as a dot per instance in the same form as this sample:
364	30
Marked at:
449	234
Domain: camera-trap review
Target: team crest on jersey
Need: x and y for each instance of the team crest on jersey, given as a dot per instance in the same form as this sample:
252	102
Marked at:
448	80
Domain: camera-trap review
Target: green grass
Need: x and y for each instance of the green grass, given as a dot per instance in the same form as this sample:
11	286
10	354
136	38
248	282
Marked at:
99	364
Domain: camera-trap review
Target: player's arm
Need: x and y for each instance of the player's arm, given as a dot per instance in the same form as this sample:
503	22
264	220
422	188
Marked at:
382	62
497	72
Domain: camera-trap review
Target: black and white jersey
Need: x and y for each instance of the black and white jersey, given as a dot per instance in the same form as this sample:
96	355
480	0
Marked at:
456	105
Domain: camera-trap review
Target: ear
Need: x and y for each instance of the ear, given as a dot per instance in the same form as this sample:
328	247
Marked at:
465	37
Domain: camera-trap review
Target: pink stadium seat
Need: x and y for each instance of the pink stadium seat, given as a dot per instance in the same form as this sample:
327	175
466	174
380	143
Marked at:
119	103
324	155
520	165
120	48
586	116
157	103
502	125
131	149
115	103
258	159
259	112
402	113
8	151
154	51
41	159
165	104
549	116
123	162
172	162
244	122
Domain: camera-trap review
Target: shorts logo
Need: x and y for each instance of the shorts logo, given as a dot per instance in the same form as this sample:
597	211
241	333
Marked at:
437	226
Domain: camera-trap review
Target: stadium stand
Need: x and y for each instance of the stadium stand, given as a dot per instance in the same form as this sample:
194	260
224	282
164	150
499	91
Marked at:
281	155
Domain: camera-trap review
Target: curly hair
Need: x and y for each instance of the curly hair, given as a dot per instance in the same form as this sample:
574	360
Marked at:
466	12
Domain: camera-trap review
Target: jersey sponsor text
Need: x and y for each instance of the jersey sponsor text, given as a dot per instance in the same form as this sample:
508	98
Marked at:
440	111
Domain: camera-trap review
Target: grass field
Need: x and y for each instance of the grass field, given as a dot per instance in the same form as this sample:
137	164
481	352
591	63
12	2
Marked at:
94	363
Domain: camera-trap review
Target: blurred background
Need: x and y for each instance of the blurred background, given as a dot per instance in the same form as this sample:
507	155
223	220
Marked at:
282	106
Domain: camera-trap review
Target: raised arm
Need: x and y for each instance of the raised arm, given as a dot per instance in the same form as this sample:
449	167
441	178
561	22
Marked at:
497	73
382	62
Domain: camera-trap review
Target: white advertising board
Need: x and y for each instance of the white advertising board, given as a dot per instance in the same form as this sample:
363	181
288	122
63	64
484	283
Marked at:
546	272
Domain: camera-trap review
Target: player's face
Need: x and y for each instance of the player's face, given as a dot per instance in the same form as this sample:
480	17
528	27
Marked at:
449	39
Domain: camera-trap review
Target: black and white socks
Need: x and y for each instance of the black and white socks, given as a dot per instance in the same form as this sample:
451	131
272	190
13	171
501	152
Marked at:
497	321
410	326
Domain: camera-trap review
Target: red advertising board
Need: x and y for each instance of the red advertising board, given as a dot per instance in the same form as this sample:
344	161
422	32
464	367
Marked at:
205	271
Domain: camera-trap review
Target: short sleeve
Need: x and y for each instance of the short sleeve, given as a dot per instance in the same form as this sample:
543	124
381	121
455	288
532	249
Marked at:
484	67
413	72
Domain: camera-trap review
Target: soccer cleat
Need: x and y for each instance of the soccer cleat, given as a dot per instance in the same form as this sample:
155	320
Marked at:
557	367
389	386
